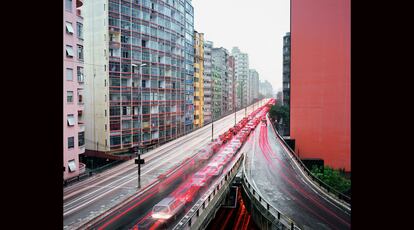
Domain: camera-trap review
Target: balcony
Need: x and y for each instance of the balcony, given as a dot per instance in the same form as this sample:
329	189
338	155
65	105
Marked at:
82	167
81	126
81	149
81	78
114	45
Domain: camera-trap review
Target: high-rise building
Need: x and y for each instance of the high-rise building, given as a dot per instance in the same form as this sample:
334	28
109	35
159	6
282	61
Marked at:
242	74
189	64
266	89
139	76
73	62
286	69
198	79
253	85
320	80
220	77
279	96
208	82
231	86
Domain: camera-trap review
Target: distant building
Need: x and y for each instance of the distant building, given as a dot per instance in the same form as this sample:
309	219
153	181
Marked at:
266	89
286	69
231	106
198	79
73	82
279	97
253	85
242	75
320	80
208	82
221	87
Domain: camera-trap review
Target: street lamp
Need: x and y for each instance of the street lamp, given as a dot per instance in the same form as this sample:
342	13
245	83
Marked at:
140	73
136	149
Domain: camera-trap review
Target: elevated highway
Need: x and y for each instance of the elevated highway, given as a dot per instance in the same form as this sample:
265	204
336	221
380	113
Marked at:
277	190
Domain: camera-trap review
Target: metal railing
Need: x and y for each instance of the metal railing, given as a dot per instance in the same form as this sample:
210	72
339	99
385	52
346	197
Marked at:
268	211
207	202
335	193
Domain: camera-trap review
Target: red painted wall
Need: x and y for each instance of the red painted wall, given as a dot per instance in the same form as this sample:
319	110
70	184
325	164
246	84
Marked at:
320	80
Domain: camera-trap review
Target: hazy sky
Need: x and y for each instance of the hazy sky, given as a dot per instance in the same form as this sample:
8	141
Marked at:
256	27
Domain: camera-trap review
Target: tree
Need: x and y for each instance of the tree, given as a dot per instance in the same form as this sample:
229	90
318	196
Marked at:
280	113
332	178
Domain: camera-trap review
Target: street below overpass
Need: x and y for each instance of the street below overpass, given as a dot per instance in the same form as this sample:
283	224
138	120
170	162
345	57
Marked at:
278	180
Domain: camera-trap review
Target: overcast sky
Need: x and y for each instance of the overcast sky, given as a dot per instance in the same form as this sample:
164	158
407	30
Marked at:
256	27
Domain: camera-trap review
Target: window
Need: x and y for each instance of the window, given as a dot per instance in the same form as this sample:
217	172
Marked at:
80	74
80	52
69	96
71	142
115	140
81	138
80	97
69	74
69	28
79	30
69	51
71	120
68	5
72	166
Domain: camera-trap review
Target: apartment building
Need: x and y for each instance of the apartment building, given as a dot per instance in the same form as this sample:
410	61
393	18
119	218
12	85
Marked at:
139	76
198	79
242	73
73	109
221	82
253	85
208	82
266	89
189	65
231	86
286	69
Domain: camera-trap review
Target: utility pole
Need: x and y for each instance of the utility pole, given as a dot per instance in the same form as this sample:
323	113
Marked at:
212	130
235	117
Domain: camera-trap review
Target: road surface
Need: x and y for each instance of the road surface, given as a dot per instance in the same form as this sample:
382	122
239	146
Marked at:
278	180
86	199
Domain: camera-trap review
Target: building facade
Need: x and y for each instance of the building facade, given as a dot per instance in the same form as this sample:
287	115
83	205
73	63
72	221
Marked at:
216	97
139	77
266	89
73	62
279	97
253	85
189	65
320	80
208	82
286	69
198	79
242	74
231	86
220	93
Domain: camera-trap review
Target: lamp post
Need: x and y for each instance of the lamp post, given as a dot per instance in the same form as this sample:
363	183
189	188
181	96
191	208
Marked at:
136	149
139	83
212	129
